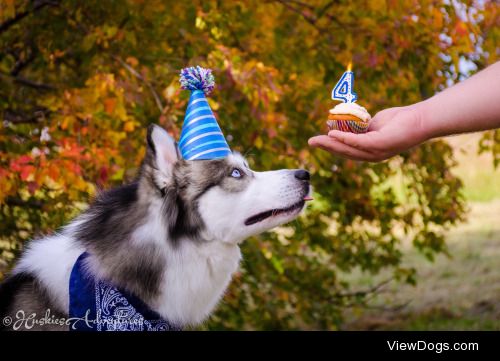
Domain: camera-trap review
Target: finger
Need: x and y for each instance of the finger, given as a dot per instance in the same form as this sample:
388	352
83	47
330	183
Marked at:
335	147
362	142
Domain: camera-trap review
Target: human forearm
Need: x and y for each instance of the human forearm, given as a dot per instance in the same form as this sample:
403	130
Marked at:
471	105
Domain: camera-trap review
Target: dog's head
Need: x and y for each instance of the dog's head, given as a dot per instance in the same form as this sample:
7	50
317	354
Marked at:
221	199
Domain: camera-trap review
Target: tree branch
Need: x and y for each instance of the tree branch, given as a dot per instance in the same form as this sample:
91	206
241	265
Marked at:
38	5
312	19
21	64
140	77
38	116
309	19
13	201
325	8
364	293
303	4
27	82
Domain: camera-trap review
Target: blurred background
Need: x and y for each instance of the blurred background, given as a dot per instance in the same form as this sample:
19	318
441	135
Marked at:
411	243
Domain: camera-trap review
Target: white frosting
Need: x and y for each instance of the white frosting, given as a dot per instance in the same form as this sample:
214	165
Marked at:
353	109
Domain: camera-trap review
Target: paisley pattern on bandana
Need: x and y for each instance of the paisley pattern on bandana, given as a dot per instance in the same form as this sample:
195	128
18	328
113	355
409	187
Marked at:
96	305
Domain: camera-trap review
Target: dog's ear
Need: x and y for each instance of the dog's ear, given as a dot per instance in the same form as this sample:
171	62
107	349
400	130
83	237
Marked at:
162	149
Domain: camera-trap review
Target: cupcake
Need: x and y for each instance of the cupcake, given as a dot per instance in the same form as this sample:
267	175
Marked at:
349	117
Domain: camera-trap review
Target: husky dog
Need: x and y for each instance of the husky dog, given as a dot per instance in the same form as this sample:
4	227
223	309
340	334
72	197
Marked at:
171	237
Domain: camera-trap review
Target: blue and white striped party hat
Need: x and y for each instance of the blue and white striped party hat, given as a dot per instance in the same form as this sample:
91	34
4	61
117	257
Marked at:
201	136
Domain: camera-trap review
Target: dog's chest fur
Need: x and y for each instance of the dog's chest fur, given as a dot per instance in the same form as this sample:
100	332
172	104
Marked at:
195	274
195	279
192	275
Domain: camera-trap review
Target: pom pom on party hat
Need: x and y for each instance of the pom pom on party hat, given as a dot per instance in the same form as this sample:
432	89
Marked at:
201	136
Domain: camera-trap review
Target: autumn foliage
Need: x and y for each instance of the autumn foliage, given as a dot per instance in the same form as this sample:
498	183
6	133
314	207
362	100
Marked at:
81	80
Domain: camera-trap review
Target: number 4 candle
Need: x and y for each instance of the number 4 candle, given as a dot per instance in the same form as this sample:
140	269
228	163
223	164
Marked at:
347	116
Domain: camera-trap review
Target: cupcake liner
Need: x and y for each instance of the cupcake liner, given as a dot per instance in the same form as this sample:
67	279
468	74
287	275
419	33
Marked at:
351	126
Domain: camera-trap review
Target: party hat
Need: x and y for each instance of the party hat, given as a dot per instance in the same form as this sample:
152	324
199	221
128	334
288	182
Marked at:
201	136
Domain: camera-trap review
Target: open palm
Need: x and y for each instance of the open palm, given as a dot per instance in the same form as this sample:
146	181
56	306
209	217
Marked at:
391	131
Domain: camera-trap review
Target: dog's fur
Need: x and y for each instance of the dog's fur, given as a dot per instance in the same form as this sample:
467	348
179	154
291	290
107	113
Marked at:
171	237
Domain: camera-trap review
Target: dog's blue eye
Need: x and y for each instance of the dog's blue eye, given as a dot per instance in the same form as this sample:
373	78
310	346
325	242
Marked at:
236	173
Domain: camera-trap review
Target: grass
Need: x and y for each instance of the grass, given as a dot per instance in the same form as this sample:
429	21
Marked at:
460	292
481	179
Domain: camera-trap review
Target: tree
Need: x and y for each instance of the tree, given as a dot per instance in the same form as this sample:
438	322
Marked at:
81	80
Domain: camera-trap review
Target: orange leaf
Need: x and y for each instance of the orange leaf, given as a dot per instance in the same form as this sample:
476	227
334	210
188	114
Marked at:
53	172
129	127
26	171
109	105
461	28
132	61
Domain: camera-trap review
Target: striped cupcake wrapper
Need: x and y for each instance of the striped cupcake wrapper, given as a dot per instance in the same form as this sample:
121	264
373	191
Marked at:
351	126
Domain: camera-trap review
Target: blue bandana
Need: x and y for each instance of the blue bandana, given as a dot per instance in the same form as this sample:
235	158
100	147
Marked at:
96	305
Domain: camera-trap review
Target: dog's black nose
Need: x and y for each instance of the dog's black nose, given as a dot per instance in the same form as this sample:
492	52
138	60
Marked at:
302	174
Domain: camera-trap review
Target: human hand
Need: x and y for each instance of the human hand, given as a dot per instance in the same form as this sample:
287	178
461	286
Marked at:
391	132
